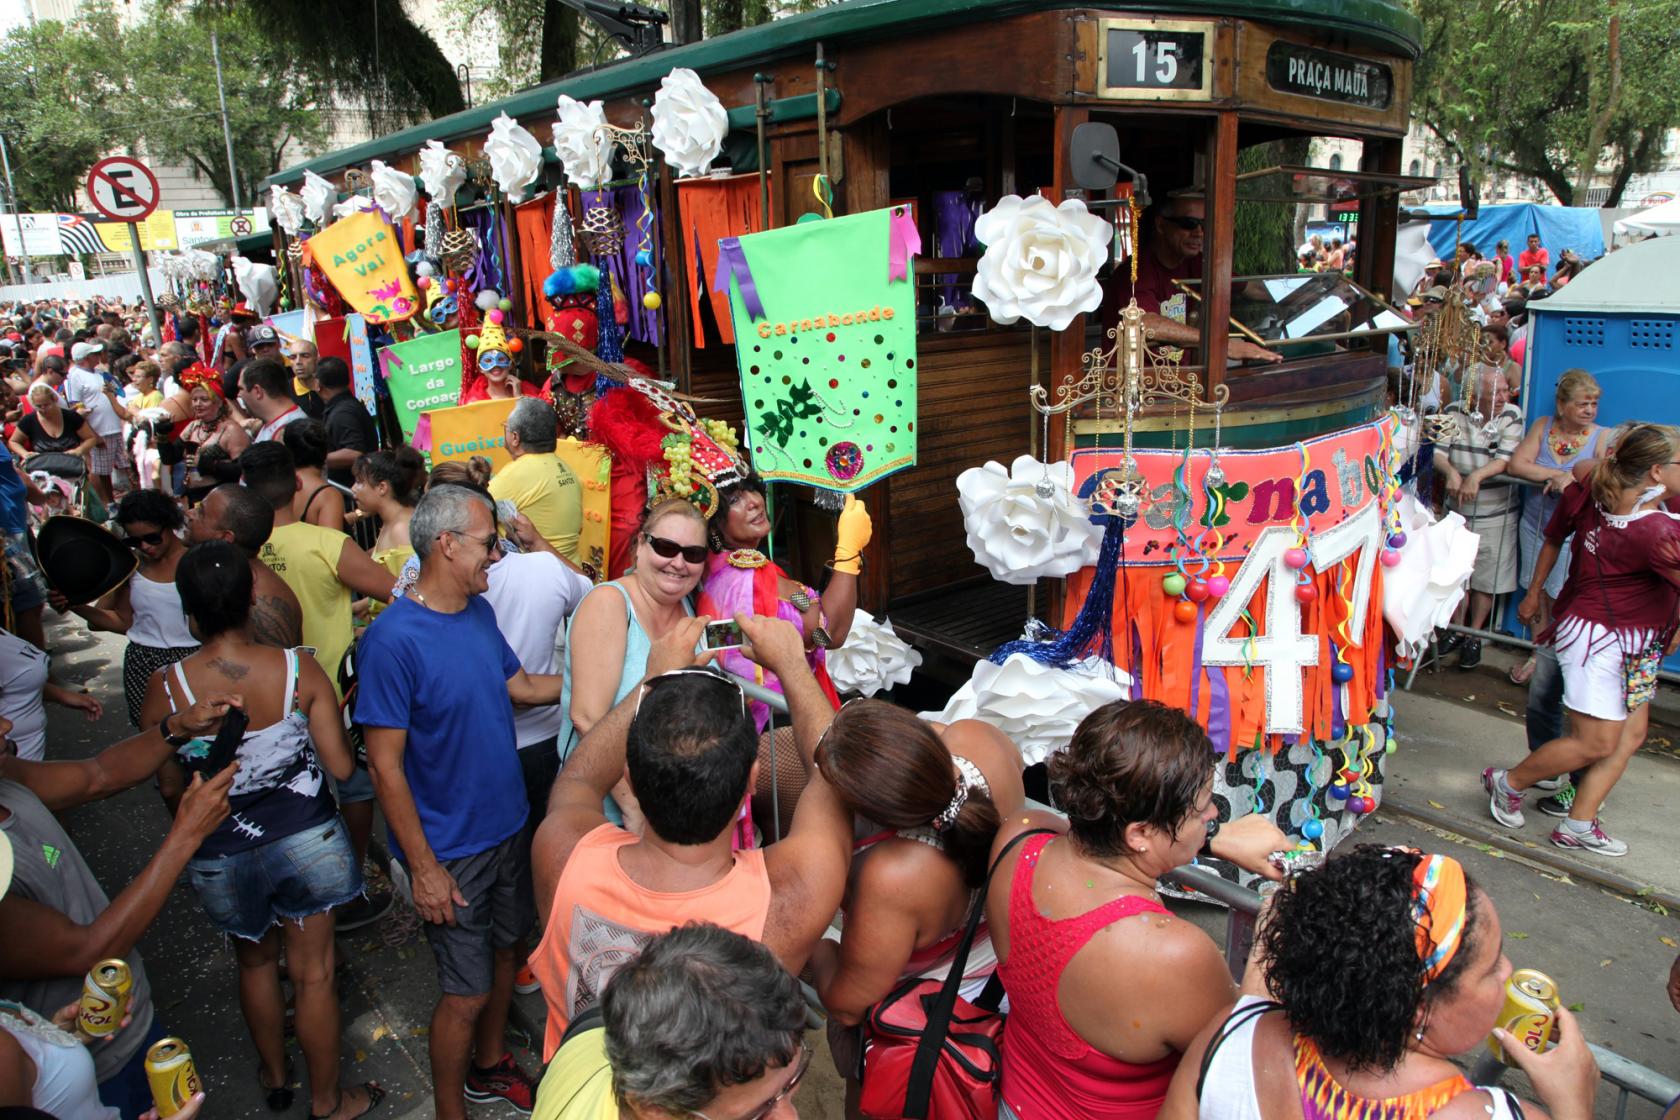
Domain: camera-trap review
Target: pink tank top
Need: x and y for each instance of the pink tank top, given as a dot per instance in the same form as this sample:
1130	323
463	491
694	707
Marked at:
1049	1072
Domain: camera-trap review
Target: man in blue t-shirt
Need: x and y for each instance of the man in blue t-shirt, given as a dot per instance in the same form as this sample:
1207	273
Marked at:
436	686
27	590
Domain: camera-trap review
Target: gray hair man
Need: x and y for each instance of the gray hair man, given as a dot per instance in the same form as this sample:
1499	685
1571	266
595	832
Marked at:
435	697
538	482
703	1022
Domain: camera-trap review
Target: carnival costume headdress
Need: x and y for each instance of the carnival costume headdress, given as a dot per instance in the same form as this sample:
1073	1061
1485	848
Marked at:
648	428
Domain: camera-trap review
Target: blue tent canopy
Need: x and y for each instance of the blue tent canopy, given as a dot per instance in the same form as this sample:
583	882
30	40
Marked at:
1559	227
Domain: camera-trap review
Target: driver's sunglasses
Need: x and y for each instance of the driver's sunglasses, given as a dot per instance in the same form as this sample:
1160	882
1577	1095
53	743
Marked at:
1184	221
786	1091
696	671
667	548
136	540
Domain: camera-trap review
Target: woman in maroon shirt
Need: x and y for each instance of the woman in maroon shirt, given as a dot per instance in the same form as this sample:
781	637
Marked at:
1615	619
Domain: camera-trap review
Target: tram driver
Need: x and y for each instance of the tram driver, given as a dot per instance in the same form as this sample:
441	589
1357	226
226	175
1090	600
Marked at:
1172	250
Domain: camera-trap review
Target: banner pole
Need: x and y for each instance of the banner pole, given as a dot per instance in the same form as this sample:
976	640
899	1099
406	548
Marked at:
145	281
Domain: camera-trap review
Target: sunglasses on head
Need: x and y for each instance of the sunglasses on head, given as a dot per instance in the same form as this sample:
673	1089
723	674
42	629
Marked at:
1183	221
663	546
697	671
135	540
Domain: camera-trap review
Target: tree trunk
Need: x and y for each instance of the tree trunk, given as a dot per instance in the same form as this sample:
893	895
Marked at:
685	21
726	16
1602	106
559	41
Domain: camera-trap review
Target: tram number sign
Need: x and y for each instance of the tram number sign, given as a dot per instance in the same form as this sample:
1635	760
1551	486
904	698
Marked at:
1144	59
1328	76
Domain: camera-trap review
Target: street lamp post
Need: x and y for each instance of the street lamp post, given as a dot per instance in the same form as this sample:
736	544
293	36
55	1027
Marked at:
227	132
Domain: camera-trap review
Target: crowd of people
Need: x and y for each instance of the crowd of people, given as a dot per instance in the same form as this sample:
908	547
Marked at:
580	804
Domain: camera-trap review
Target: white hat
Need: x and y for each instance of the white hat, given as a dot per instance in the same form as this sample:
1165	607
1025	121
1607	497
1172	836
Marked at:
86	349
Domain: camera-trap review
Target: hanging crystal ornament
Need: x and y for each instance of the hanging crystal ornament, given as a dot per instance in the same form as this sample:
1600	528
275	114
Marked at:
434	231
562	245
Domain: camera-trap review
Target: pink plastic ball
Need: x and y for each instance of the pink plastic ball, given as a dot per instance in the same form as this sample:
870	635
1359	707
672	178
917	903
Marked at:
1217	586
1197	590
423	283
1389	557
1295	558
1305	593
496	315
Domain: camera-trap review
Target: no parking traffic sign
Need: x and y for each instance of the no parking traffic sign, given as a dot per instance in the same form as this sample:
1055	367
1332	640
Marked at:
123	189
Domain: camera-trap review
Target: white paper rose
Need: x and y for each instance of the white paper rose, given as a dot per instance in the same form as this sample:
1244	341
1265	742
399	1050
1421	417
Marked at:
1024	523
202	265
318	198
689	122
287	209
352	205
515	156
394	191
1424	588
874	657
582	142
441	172
258	283
1036	706
1041	261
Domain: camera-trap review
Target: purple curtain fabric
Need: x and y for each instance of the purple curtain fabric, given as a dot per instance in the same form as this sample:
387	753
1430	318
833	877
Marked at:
632	277
954	215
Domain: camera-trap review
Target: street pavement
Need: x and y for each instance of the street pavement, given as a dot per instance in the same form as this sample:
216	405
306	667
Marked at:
1608	949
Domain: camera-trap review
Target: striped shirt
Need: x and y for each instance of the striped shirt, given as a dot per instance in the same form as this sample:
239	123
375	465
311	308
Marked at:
1470	448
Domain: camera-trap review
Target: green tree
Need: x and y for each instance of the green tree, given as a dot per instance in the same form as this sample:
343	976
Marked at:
58	110
274	96
1563	91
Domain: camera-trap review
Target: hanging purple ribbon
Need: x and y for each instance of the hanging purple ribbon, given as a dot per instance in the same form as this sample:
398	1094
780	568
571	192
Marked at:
733	262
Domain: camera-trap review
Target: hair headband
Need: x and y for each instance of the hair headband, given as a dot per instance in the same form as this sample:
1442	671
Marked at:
1439	901
970	778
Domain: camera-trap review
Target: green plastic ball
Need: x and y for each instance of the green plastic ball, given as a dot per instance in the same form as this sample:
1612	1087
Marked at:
1172	584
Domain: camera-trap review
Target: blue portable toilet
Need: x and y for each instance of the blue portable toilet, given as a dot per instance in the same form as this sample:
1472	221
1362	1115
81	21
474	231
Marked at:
1620	321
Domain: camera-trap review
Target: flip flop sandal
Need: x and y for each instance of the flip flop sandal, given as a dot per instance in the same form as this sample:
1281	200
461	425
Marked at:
374	1093
278	1098
1523	673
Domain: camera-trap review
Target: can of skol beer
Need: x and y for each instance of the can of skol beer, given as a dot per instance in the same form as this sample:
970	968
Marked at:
1530	1011
169	1068
105	995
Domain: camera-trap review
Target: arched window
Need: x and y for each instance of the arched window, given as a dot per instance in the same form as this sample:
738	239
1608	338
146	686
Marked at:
1335	161
1416	167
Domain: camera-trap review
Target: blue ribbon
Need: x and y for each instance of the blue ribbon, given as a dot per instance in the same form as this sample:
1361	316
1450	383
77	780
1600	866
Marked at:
733	262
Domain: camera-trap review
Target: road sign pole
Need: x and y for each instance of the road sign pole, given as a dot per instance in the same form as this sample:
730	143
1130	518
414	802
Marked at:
145	281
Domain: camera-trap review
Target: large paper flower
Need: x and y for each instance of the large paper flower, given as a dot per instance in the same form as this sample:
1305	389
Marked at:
441	173
581	139
200	265
874	657
689	122
287	209
352	205
394	191
1024	522
1036	706
318	198
1041	260
1424	588
515	156
258	283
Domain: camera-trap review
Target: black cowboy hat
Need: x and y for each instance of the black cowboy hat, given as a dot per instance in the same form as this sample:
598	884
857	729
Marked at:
82	560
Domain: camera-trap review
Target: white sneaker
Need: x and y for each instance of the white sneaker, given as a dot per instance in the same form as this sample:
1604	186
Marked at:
1594	839
1551	785
1505	807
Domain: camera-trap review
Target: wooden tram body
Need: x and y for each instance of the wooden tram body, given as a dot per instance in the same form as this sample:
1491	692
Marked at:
919	96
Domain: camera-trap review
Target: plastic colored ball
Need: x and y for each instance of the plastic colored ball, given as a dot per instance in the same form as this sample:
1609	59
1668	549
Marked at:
1197	590
1295	558
472	342
496	315
644	257
651	301
1312	829
424	283
1389	557
515	345
1305	593
1341	672
1397	540
1172	583
505	305
1391	747
452	285
1361	804
1217	586
1339	792
1184	610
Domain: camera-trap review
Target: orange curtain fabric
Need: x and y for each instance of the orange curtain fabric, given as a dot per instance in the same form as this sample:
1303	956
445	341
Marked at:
710	209
533	223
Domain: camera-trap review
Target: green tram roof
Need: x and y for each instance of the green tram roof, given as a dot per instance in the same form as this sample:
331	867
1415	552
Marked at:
1384	25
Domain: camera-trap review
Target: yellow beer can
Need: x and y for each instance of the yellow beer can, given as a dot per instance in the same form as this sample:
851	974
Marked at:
105	995
1530	1011
169	1068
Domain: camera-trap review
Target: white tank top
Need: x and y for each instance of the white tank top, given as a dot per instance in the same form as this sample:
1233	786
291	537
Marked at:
159	619
64	1080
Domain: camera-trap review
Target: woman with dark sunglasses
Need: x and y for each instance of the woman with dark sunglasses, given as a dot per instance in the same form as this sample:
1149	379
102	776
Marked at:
148	607
618	622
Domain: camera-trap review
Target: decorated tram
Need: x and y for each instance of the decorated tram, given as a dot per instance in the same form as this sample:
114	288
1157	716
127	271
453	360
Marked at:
893	241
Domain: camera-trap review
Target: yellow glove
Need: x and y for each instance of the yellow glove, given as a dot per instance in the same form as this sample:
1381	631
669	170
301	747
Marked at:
851	536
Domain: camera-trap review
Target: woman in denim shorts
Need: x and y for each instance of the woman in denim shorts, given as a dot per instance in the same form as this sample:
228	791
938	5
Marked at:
273	871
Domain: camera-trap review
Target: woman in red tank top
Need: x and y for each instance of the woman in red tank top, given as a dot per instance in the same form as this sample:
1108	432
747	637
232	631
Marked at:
1106	988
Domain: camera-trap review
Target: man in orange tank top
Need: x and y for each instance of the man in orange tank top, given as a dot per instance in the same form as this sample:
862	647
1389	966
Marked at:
691	749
